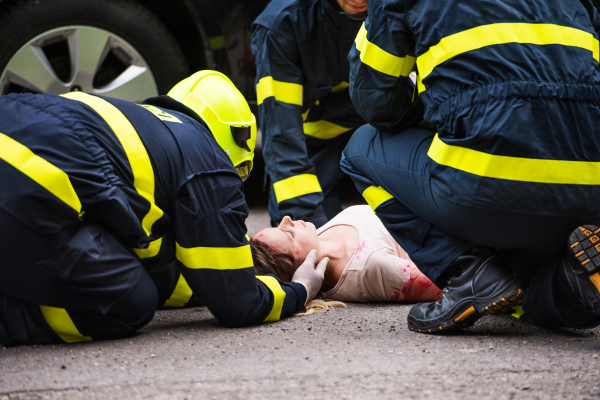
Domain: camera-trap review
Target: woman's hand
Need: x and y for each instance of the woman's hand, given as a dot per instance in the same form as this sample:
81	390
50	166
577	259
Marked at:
309	276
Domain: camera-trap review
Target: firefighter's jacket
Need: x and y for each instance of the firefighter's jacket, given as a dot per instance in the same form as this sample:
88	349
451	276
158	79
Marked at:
163	186
301	50
512	86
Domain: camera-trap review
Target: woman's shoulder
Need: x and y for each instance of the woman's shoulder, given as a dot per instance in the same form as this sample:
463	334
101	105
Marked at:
365	220
356	214
359	209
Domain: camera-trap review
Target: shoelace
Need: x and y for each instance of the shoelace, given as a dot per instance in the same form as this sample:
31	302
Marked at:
459	270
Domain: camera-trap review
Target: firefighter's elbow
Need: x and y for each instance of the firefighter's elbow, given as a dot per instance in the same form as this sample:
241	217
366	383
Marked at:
234	320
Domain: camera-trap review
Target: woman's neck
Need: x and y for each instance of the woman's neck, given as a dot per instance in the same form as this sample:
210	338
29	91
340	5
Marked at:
338	243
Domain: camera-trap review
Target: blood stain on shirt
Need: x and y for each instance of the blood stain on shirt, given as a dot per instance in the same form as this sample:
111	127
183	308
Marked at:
400	294
360	248
396	295
404	265
419	285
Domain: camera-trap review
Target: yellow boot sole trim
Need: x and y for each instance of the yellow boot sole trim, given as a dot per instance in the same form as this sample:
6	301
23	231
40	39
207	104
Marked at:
465	314
595	278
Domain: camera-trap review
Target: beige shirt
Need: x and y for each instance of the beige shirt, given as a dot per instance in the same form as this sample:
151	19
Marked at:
379	269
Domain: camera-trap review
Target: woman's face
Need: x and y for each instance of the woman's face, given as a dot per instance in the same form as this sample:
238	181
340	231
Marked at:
296	238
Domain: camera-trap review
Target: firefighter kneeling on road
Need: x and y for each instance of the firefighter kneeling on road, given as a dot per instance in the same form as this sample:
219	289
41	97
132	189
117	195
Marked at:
96	192
509	174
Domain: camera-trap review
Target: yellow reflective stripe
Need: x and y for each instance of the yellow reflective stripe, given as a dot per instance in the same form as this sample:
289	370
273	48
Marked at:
222	258
217	42
339	87
305	115
141	167
282	91
324	129
278	297
379	59
151	251
62	324
376	196
426	124
502	33
295	186
518	311
514	168
39	170
181	294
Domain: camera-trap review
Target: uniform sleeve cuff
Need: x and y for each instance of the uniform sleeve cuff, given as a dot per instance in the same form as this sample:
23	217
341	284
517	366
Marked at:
301	295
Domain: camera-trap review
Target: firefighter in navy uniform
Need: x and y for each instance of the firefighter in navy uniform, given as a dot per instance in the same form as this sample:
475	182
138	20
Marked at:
96	192
510	170
305	112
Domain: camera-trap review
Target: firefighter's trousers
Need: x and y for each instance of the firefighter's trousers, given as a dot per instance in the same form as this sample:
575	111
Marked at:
79	284
435	231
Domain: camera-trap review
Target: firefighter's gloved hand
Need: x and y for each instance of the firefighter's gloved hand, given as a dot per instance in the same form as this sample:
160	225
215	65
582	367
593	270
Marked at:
317	217
309	276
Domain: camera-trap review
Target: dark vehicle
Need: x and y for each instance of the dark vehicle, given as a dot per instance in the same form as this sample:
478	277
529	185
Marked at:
129	49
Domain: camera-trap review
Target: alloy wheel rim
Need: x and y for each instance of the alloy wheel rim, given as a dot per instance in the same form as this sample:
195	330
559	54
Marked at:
79	58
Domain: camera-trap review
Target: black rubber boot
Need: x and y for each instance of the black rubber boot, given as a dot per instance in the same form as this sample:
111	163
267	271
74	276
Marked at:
578	272
482	285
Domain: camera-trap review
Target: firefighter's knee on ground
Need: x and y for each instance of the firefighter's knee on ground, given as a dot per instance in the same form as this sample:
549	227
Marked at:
136	309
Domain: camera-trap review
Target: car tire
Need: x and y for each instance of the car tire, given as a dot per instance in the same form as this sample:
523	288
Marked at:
49	40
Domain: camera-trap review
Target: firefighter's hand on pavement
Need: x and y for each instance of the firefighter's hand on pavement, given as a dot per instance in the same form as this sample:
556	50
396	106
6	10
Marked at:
310	276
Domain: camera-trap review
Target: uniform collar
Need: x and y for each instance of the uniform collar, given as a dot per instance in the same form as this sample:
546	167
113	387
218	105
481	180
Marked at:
333	12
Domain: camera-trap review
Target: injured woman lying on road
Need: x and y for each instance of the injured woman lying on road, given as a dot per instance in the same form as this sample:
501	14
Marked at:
365	262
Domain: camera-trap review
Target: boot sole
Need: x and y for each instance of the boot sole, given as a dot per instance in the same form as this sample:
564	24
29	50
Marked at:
584	243
466	317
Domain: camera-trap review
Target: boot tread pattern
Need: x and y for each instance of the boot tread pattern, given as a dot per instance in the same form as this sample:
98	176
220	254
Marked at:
585	246
468	317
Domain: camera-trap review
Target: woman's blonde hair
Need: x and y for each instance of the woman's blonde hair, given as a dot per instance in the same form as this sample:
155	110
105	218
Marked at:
320	305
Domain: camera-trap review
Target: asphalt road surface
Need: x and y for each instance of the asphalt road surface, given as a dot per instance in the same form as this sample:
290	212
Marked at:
363	352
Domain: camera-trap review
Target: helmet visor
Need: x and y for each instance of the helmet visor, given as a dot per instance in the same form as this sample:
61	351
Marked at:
243	170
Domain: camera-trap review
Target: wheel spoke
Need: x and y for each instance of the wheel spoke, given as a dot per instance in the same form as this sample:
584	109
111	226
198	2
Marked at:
134	84
88	48
96	57
30	68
